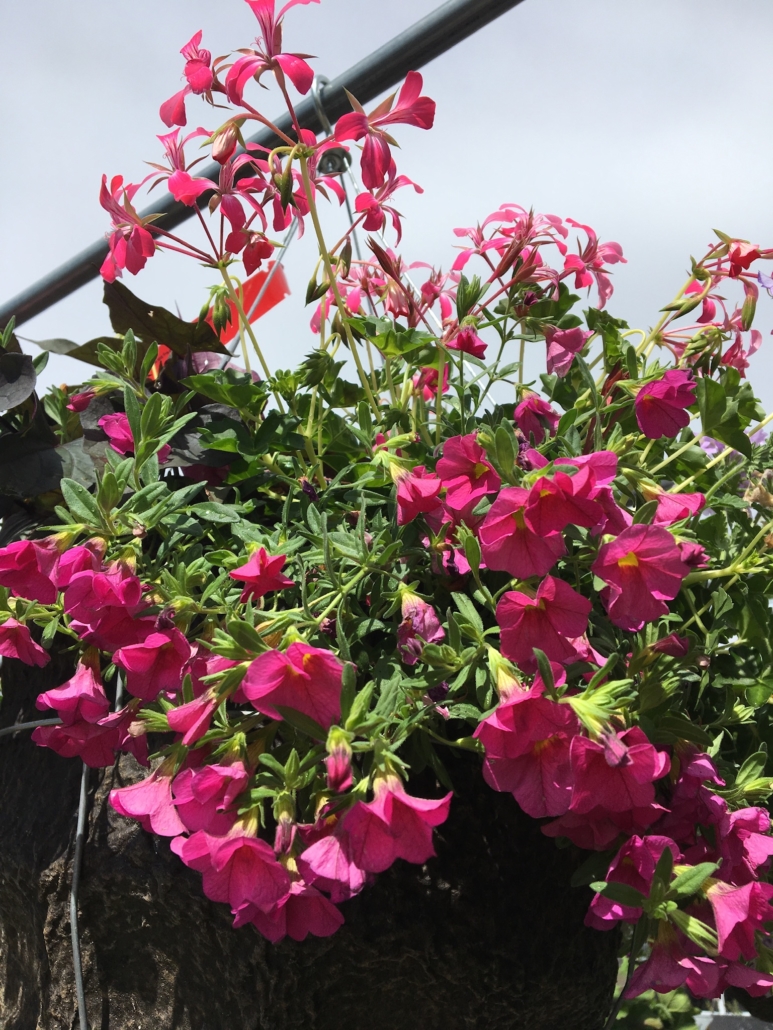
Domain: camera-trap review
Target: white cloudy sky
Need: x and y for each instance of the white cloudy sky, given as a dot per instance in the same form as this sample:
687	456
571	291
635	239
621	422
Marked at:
648	119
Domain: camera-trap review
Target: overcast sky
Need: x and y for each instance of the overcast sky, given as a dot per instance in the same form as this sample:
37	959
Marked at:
648	119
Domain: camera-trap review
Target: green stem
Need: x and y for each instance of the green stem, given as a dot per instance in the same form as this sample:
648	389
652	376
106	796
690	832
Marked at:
677	453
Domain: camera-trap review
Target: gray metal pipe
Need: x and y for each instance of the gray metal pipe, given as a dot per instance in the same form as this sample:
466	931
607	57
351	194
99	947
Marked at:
438	32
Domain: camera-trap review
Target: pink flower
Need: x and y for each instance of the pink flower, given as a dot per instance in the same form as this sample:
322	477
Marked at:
466	474
329	861
85	558
742	255
417	494
80	401
613	778
426	382
693	555
302	911
408	822
410	109
643	568
634	865
662	972
745	844
540	780
738	913
193	719
200	79
261	575
661	405
120	436
563	344
533	416
268	55
80	699
467	341
676	507
673	645
204	797
149	801
588	264
598	829
26	568
547	621
237	869
338	764
304	678
102	606
155	664
509	542
419	626
130	242
562	501
16	642
738	358
93	744
181	184
375	207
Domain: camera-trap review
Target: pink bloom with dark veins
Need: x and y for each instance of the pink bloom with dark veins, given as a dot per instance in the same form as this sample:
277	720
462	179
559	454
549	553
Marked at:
237	869
417	494
420	625
738	913
410	109
302	911
466	474
643	568
261	575
562	501
547	621
615	778
154	665
16	642
102	606
205	797
329	861
27	568
676	507
307	679
408	822
511	544
80	699
193	719
661	406
563	344
150	802
534	416
84	558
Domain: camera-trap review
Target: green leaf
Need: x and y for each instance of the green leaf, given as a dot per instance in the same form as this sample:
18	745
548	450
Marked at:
752	768
644	515
360	706
155	324
619	892
505	450
81	503
348	690
17	379
691	880
468	610
711	402
213	511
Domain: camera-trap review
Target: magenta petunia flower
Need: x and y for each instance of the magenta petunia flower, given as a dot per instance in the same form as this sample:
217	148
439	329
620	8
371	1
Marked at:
27	568
738	913
564	501
534	416
417	494
511	544
643	568
85	558
305	678
302	911
420	625
261	574
329	861
102	607
548	621
408	823
194	718
154	665
16	642
616	779
119	434
204	797
674	507
468	341
563	344
540	780
150	802
661	405
80	699
634	865
466	474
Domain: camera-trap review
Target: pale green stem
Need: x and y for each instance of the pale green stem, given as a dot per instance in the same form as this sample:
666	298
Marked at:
678	453
720	457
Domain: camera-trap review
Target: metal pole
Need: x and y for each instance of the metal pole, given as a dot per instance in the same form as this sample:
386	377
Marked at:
80	839
438	32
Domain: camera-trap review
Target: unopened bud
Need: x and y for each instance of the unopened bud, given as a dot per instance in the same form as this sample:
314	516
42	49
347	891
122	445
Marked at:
224	144
338	764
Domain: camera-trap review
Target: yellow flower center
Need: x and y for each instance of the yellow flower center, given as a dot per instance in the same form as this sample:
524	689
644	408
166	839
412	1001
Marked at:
629	561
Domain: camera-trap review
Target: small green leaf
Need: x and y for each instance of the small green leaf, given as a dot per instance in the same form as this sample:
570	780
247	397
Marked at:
691	880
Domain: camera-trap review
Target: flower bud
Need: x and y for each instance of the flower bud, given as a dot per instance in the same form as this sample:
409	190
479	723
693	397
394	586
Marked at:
338	764
284	813
504	675
224	144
